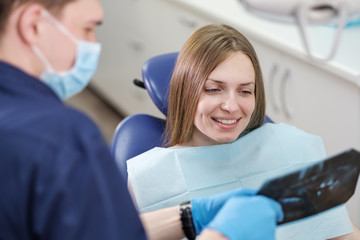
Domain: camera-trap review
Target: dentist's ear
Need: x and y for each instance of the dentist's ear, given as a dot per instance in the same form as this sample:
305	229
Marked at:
29	24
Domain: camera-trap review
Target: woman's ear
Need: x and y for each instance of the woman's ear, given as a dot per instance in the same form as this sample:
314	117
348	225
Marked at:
29	24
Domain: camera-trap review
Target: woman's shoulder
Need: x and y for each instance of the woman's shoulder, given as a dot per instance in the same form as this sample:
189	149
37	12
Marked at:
280	137
158	151
282	130
282	134
149	156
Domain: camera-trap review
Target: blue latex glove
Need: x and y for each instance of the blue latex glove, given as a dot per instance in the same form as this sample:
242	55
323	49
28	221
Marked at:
248	218
205	209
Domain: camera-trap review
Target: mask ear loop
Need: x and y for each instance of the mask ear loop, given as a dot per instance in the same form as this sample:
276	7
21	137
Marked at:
62	29
302	19
42	58
46	14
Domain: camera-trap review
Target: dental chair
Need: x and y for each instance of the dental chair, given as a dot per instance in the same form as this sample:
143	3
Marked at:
138	133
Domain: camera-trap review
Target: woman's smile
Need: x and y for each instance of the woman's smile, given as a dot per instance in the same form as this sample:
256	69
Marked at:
226	124
226	121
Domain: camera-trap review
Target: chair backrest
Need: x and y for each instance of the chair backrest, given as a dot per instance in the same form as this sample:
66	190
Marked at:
134	135
156	73
141	132
138	133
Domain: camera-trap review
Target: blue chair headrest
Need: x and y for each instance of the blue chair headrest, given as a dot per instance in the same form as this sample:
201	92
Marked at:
157	72
134	135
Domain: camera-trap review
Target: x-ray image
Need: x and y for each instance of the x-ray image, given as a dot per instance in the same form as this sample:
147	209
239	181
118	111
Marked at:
315	188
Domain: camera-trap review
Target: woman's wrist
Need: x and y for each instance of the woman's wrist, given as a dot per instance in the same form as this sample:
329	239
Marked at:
163	224
210	234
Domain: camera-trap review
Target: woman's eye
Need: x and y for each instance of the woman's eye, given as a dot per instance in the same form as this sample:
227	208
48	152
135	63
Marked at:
212	90
246	92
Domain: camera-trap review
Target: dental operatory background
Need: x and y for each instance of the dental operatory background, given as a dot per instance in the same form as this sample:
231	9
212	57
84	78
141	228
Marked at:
309	53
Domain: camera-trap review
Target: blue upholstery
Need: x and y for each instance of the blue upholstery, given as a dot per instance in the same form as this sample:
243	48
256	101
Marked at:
267	120
134	135
156	74
141	132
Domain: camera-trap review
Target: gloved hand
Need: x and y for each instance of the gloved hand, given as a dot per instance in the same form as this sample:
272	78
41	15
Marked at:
248	218
205	209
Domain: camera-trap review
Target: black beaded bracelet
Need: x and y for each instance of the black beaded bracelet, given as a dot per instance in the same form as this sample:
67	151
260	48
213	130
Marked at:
187	220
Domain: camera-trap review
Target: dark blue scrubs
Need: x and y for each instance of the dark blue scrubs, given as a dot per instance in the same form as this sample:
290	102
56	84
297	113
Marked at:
57	177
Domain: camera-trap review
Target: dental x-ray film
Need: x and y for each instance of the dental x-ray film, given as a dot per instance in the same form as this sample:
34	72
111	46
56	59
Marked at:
315	188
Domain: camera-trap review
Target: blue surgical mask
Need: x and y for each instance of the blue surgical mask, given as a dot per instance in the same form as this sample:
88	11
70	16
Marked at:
67	83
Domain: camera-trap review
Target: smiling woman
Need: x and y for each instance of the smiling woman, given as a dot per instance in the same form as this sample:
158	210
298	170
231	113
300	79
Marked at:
225	56
226	103
216	136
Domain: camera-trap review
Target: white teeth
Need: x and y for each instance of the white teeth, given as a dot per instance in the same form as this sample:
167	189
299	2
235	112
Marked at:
223	121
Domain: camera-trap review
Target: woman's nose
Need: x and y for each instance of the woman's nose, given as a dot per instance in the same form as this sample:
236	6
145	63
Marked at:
230	104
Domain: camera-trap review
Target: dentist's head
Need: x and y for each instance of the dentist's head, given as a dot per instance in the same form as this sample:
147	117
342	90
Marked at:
216	90
53	40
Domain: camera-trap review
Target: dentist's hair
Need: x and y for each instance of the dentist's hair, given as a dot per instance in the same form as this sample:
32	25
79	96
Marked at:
206	48
7	6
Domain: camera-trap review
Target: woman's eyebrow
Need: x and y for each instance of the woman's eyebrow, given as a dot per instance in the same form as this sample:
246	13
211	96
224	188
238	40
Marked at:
214	80
222	82
247	84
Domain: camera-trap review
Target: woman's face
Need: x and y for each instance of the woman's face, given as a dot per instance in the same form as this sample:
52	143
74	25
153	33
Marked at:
226	103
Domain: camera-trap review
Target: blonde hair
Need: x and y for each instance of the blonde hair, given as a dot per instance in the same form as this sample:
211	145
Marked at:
201	54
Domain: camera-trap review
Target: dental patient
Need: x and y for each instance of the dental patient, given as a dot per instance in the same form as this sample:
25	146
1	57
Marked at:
216	139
